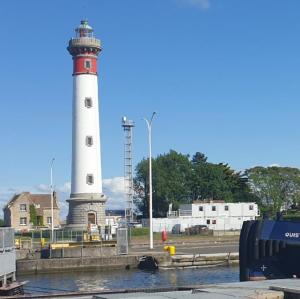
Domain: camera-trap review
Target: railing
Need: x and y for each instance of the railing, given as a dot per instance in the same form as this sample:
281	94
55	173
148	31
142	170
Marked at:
172	214
179	213
42	238
85	41
185	213
6	239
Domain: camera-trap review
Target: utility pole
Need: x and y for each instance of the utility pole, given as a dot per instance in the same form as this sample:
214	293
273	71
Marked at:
51	191
149	126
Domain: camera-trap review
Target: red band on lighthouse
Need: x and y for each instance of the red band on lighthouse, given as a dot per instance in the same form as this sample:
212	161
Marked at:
85	65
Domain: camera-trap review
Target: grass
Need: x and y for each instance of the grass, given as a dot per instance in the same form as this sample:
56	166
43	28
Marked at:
139	231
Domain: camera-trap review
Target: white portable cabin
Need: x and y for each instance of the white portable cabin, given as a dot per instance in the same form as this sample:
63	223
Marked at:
216	215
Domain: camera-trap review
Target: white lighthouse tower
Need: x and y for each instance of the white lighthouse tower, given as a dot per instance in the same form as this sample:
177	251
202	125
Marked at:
87	202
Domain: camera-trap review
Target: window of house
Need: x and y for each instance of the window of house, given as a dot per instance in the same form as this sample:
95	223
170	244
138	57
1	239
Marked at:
49	220
214	221
226	208
88	102
87	63
208	221
250	207
200	209
89	140
213	208
89	179
23	221
23	207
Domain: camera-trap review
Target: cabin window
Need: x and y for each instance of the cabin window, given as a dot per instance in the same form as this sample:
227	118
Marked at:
88	102
213	208
214	221
23	221
49	220
251	207
23	207
208	221
90	179
200	209
226	208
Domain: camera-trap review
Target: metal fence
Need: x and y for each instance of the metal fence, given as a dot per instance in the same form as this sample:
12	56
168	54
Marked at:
40	238
6	239
122	240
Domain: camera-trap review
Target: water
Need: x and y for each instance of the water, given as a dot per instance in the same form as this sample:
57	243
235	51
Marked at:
120	279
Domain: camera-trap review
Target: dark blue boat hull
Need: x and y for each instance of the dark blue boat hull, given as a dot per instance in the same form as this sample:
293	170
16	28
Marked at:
269	249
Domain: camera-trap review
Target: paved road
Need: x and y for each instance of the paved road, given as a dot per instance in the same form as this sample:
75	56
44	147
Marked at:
193	248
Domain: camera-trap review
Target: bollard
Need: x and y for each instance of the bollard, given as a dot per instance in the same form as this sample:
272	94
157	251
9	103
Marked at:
164	236
170	249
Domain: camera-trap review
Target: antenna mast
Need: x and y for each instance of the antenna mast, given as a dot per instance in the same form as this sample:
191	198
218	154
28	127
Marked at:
128	173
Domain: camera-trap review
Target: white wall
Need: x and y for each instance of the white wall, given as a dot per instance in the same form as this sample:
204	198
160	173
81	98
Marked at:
216	220
85	159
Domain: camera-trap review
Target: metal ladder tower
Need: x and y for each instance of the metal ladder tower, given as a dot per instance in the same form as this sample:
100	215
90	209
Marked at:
128	173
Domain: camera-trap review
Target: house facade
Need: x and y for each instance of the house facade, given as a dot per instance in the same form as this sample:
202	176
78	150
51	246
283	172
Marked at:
26	211
216	215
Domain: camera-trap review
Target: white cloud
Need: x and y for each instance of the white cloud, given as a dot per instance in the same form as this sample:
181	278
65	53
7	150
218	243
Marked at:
274	165
66	187
115	185
43	188
202	4
114	189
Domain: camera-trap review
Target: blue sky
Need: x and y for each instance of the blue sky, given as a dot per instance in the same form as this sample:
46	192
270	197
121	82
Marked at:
223	76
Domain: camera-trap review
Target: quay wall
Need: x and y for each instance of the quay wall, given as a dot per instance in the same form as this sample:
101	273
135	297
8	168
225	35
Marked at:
30	266
182	261
94	251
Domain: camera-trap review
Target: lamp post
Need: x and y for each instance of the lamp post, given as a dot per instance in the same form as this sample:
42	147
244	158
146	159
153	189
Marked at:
51	191
149	126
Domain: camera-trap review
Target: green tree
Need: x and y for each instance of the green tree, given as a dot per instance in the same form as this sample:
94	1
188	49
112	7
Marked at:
33	215
177	180
1	222
217	181
169	172
276	188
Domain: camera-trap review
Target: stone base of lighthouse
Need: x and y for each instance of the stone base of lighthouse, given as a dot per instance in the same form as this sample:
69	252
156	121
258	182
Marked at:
85	208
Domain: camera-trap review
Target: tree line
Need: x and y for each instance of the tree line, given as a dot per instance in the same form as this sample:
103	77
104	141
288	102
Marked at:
179	179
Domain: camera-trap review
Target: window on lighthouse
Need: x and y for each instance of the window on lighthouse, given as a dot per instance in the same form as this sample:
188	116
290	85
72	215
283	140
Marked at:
87	63
89	140
89	179
88	102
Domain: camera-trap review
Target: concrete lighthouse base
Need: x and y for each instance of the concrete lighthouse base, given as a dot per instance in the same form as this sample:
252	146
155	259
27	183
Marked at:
85	208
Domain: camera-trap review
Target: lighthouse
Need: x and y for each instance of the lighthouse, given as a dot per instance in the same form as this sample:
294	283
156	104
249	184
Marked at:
87	202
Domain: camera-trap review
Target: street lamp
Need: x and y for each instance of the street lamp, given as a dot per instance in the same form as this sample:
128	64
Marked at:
51	191
149	126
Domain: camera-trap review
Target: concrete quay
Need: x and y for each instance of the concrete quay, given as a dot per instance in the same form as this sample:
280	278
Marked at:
166	262
106	258
268	289
52	265
182	261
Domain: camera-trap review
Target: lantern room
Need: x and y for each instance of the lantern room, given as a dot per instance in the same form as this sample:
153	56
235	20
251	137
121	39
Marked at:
84	30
